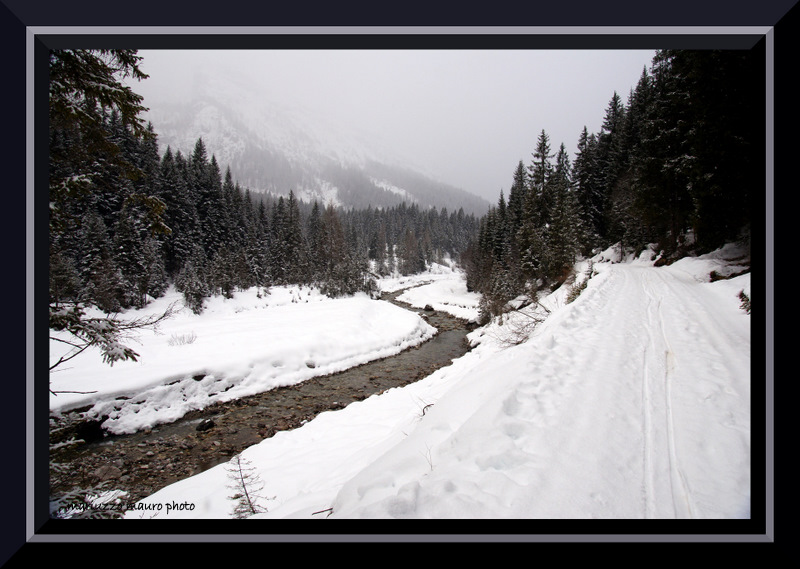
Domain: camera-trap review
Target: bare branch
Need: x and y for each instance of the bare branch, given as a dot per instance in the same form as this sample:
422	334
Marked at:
519	325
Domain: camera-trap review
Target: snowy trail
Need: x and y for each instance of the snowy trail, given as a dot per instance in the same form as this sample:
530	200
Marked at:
609	411
627	432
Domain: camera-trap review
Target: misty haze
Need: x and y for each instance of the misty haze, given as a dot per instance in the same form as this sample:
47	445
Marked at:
356	284
462	119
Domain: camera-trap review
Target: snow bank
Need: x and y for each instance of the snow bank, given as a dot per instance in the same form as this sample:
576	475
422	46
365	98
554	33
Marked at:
435	272
236	347
446	295
631	402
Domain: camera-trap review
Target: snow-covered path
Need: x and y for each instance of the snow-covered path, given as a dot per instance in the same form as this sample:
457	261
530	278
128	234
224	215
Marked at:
628	391
632	402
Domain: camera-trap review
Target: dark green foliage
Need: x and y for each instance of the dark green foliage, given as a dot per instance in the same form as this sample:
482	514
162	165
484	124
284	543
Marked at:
191	280
563	235
677	166
221	238
745	301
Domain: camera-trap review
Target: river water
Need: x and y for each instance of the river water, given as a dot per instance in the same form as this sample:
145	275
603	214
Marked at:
144	462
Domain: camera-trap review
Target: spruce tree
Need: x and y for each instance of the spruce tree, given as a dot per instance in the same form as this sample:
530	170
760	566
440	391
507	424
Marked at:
98	164
181	213
722	104
663	166
516	198
536	213
278	257
587	187
540	170
611	159
102	282
191	281
298	270
85	88
562	236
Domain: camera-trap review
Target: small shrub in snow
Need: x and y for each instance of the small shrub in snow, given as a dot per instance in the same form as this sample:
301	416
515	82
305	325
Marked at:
745	304
182	339
520	325
578	287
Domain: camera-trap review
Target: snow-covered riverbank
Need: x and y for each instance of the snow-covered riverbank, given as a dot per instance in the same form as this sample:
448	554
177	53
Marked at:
631	402
236	347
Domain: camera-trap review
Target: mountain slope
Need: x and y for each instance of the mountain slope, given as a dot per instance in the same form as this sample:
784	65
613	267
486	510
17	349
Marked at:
275	148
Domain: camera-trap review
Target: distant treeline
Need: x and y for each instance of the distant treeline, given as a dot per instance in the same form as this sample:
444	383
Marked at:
262	166
214	237
679	166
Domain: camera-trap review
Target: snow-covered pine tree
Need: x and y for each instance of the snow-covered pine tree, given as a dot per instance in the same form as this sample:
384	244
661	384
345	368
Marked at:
102	283
562	238
516	198
221	275
536	212
278	254
587	188
180	215
294	242
192	280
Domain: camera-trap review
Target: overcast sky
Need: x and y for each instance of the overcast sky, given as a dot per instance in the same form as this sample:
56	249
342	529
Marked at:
466	116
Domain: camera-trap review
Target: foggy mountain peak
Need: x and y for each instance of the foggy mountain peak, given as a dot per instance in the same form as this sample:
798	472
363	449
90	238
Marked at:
274	146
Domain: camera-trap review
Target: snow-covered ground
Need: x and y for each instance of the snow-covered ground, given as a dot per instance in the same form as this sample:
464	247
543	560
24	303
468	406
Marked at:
236	347
631	402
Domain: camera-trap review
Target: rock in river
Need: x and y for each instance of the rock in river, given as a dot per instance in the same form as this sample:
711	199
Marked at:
205	425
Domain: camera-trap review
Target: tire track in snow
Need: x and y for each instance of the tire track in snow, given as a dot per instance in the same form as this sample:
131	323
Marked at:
648	482
677	486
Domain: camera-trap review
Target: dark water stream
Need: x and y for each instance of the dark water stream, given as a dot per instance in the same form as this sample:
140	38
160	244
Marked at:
144	462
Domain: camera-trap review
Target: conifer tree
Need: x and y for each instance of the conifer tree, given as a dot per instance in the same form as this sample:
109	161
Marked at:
128	246
562	235
611	160
294	242
181	214
102	282
212	210
381	251
588	189
535	213
516	198
255	249
315	235
192	281
662	177
96	164
540	170
278	255
717	102
246	485
85	88
64	278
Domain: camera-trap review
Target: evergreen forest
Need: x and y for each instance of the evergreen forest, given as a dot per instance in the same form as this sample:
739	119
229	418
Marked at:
127	222
678	165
